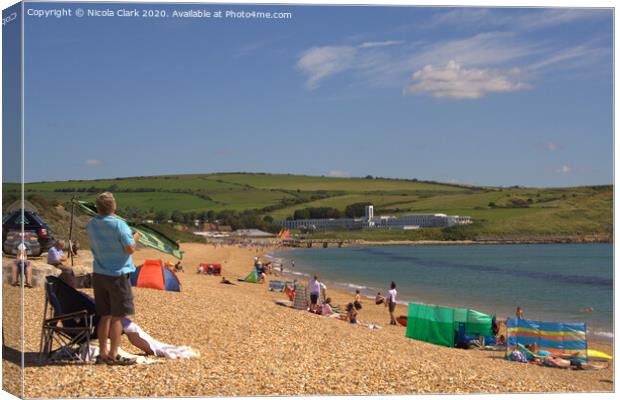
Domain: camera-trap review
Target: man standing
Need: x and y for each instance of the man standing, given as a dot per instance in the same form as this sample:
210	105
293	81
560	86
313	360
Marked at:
112	245
315	291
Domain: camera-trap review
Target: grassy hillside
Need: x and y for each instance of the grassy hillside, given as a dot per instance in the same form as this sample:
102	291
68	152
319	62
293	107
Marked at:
498	212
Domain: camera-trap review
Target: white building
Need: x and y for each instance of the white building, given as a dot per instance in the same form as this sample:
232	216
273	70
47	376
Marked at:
410	221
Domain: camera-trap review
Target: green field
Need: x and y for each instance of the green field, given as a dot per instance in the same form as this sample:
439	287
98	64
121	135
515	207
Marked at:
497	212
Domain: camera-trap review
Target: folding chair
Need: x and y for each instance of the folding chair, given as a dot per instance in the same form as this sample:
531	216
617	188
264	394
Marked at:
68	322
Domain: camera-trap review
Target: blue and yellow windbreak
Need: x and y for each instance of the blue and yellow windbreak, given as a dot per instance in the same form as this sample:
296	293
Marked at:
555	337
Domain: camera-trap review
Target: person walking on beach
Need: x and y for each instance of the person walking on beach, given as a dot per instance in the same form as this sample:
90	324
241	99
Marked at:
112	245
391	302
519	313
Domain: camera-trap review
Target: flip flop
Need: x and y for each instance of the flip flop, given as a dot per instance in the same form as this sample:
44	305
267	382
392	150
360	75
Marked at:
119	360
101	360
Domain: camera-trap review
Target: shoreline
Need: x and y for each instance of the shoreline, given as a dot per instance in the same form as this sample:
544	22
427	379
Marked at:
605	337
365	242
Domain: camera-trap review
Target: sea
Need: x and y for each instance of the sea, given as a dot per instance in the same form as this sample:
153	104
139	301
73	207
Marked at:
551	282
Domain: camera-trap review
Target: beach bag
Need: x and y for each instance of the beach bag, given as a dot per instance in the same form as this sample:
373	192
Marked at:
68	277
517	356
83	281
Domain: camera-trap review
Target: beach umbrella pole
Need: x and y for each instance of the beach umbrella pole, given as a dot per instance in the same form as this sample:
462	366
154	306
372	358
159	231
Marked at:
71	230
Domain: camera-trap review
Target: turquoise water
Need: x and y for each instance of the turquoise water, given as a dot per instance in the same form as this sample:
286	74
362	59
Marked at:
551	282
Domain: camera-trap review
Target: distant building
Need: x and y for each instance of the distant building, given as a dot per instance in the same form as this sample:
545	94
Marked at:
252	233
369	221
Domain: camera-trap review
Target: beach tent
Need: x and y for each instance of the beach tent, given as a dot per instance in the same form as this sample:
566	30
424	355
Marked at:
440	325
153	274
555	337
278	285
252	277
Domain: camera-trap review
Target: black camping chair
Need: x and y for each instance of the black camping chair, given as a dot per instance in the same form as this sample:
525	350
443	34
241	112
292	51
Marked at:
69	321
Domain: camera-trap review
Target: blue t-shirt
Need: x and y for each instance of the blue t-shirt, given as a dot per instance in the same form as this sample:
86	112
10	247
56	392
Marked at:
108	237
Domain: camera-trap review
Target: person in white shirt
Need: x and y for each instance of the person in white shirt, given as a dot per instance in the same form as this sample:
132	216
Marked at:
315	291
391	302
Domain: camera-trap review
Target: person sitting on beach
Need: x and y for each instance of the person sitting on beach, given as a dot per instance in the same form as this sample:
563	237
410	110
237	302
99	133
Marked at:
56	256
75	247
500	341
357	303
351	313
178	267
22	265
379	299
327	309
262	275
559	362
226	281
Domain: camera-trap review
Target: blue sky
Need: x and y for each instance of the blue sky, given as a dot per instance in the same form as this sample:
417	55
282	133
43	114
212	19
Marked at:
469	95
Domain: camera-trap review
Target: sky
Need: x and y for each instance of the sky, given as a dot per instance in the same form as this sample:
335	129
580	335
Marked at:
484	96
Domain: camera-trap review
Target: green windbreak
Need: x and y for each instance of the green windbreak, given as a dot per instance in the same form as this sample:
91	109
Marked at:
477	323
149	237
433	324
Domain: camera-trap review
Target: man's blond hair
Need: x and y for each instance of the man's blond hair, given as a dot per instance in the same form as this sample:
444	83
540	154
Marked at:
105	203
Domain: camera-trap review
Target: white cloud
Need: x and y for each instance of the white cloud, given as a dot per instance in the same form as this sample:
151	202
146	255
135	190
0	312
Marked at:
564	169
496	54
322	62
455	82
554	17
92	162
489	48
520	20
368	45
338	174
552	146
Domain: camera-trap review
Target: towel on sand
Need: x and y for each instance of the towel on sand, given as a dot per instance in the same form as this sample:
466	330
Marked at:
158	348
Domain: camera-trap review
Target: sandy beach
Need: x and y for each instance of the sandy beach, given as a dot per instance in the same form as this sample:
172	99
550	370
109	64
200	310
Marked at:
251	346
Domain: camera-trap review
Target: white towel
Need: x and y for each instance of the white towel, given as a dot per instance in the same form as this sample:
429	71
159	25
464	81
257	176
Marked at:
158	348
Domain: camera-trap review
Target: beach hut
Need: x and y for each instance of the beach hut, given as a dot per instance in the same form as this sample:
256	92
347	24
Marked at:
440	325
154	275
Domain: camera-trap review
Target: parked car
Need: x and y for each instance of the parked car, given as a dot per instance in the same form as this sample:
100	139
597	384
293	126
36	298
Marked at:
14	238
33	224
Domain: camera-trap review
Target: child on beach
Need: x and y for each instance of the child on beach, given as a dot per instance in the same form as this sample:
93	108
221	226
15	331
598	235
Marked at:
357	302
351	313
327	311
379	299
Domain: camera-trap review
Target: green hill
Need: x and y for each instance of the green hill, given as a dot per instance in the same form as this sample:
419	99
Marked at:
498	212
